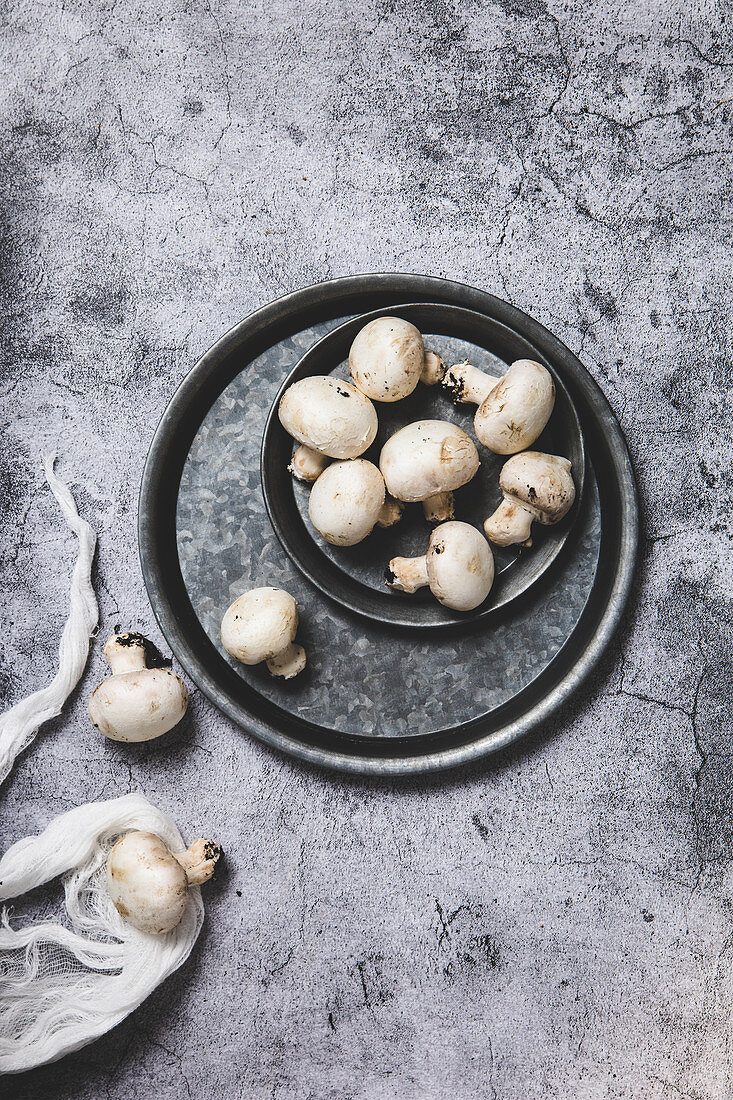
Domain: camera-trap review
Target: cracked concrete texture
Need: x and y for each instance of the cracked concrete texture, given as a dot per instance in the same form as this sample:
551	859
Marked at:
556	924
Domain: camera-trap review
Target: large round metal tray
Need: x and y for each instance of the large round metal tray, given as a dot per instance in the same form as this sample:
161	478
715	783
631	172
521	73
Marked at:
377	697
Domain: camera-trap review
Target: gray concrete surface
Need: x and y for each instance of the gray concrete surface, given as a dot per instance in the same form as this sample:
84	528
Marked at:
558	924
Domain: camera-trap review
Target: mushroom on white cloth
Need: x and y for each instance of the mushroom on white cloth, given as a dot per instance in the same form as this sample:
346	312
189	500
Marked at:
149	884
66	983
513	410
458	567
537	487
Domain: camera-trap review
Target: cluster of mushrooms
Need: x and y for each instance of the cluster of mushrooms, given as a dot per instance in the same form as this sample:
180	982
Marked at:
334	422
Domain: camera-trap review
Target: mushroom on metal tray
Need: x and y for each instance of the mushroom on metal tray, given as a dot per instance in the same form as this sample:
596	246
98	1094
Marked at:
512	411
330	418
260	626
458	567
536	487
348	500
388	358
426	461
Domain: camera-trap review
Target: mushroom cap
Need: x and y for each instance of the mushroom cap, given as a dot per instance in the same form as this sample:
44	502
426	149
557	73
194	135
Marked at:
517	408
542	483
138	706
147	884
259	625
460	566
346	501
386	359
328	415
427	457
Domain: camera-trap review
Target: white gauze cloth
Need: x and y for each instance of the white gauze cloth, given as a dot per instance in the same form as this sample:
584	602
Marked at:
62	987
19	725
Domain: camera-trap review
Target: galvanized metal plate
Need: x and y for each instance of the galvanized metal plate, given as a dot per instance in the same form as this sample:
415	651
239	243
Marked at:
376	698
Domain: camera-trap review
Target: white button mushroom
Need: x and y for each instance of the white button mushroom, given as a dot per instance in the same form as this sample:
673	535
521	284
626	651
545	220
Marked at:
426	461
136	703
148	884
348	500
388	358
513	410
536	486
331	418
458	567
260	626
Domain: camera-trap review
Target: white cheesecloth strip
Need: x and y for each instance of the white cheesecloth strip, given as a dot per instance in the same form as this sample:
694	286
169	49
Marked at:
19	725
61	988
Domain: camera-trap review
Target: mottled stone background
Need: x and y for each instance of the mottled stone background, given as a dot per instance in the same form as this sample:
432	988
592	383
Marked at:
555	924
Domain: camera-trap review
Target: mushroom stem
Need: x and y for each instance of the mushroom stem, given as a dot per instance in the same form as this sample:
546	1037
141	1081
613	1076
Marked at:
466	384
307	464
439	507
433	369
199	861
408	574
509	524
390	513
288	663
125	653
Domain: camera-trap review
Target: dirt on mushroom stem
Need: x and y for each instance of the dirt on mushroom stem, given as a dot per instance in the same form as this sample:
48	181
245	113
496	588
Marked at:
153	657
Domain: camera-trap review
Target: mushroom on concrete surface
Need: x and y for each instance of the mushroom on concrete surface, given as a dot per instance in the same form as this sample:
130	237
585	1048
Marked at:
260	626
348	500
512	410
148	884
425	461
136	703
388	358
330	418
537	487
458	567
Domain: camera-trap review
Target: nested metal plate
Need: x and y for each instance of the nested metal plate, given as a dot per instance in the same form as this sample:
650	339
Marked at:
376	698
354	575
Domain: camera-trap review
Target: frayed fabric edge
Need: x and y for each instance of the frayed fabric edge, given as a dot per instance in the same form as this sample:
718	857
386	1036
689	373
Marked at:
20	724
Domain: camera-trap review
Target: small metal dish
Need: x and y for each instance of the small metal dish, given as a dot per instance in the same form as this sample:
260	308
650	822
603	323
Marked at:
354	576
